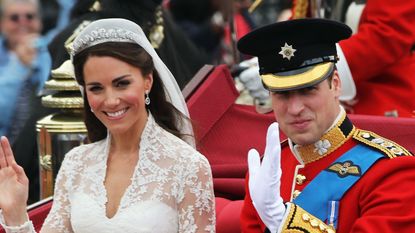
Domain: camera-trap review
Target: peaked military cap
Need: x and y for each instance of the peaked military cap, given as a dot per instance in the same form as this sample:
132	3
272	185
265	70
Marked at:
296	53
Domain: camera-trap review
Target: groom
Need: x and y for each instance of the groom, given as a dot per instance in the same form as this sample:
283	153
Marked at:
334	177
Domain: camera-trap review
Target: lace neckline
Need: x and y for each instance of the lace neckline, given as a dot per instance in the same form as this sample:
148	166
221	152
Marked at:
149	128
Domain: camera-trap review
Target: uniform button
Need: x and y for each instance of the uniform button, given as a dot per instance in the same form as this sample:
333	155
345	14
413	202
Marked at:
314	223
300	179
322	227
296	193
366	135
397	151
306	217
387	144
328	230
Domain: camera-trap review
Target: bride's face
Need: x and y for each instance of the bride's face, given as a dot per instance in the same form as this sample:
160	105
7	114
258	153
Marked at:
116	93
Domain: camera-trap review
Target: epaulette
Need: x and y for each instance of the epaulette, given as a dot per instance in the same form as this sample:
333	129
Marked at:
390	148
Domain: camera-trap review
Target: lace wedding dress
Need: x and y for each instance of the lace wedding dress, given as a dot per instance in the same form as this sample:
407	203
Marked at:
170	191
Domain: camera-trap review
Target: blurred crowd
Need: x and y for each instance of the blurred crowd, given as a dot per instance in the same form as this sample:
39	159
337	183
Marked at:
188	34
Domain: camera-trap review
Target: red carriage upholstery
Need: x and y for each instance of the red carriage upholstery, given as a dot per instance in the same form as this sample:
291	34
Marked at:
38	213
225	131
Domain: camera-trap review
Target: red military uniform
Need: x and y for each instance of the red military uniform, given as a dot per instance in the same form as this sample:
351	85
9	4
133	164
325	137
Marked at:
381	58
380	201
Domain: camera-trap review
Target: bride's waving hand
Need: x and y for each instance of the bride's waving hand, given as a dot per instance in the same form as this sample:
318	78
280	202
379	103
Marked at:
13	187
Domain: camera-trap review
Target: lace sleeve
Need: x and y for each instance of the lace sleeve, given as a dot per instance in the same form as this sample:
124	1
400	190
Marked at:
26	227
197	207
58	219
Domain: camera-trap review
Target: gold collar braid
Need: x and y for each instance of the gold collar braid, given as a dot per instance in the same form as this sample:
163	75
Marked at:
329	142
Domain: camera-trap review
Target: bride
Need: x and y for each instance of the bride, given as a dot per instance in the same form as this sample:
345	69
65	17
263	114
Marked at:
140	173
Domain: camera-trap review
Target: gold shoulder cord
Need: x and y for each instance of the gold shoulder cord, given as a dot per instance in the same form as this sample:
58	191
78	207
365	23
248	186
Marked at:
390	148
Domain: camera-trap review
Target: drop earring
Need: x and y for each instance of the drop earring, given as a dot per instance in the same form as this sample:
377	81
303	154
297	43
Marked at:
147	99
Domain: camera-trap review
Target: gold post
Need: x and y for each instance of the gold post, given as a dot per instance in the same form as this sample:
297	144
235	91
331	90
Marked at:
254	5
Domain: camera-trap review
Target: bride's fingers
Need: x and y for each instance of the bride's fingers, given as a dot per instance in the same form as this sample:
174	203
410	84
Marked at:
3	162
20	173
7	150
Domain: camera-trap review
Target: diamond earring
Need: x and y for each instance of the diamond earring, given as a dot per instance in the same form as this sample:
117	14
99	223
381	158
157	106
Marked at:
147	99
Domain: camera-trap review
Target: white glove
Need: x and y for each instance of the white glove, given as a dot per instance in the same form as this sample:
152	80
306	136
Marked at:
252	80
264	180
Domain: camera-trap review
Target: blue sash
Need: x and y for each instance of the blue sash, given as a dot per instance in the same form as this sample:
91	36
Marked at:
322	195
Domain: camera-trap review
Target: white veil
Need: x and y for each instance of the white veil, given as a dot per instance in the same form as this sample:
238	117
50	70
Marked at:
122	30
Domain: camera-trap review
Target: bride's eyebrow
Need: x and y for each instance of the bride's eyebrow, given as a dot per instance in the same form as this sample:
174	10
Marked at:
120	78
113	81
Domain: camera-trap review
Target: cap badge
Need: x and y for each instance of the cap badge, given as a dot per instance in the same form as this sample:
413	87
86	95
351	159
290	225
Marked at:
287	51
